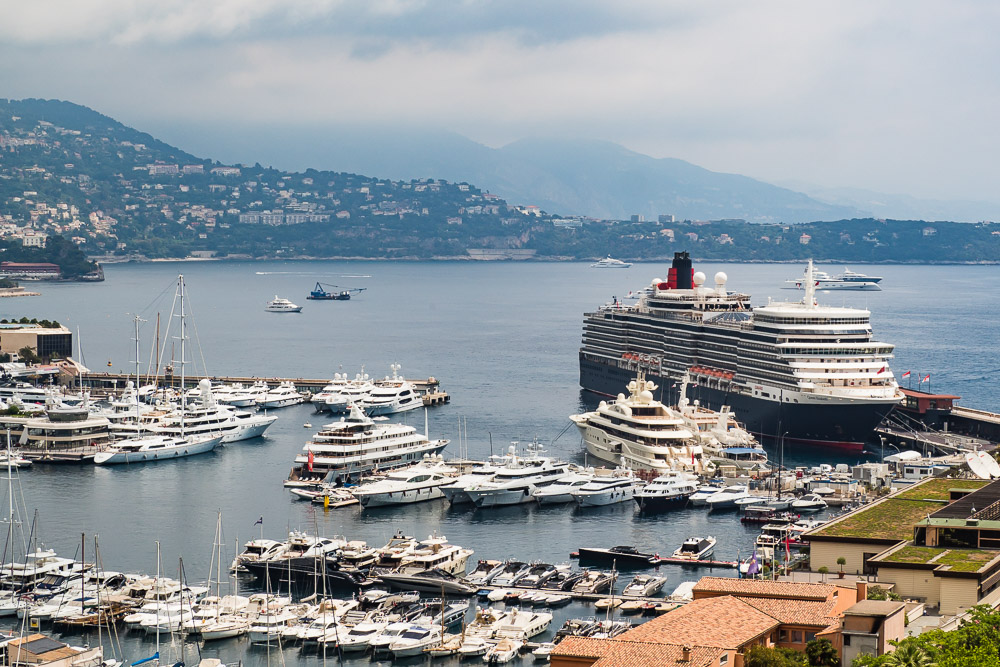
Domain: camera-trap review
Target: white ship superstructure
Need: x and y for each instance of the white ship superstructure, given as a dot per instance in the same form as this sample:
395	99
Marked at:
356	444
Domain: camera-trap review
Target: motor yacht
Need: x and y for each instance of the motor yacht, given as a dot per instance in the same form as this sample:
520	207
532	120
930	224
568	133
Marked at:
695	548
644	585
561	490
594	581
640	432
536	575
671	489
456	491
156	448
409	485
282	396
701	495
512	570
484	572
610	262
356	444
517	480
811	502
279	305
413	641
435	553
391	395
359	637
726	498
619	487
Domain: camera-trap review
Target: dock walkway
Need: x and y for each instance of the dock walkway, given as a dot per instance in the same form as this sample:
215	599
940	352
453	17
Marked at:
312	385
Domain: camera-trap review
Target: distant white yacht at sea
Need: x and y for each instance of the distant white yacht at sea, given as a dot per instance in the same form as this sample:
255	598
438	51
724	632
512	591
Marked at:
279	305
848	280
610	263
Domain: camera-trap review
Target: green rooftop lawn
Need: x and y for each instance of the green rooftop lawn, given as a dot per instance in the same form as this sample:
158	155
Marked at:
939	489
966	560
912	554
890	519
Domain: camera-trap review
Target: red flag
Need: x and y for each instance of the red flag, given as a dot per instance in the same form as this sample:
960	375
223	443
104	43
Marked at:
881	370
905	375
310	459
927	378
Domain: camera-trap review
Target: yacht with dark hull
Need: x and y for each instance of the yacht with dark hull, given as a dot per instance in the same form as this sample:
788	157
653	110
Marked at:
812	373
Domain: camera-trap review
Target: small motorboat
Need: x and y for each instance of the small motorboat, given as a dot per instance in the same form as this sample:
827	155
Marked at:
280	305
632	606
696	548
503	651
544	652
811	502
644	585
608	603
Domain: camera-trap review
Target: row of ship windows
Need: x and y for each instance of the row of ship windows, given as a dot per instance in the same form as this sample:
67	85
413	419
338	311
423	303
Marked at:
760	317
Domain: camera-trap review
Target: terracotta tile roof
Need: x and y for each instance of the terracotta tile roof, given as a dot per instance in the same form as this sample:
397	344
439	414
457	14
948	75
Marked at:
721	622
618	653
764	588
796	612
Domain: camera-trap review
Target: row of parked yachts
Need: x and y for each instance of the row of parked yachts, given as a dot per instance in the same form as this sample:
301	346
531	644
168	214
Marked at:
513	479
47	589
387	396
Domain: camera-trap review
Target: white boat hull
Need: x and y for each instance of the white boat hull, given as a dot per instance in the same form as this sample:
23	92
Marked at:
180	451
399	497
500	497
609	497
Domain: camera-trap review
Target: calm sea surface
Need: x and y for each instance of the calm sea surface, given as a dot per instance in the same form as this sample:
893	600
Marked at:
503	340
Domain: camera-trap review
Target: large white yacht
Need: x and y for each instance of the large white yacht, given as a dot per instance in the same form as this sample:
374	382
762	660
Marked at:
283	395
640	432
391	395
409	485
618	487
517	480
156	448
208	417
280	305
671	489
456	491
357	444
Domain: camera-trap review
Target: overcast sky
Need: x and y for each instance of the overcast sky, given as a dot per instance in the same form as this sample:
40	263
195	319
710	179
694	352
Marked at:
897	96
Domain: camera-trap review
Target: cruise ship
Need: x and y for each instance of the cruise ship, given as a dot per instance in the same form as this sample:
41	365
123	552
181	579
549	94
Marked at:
357	444
812	373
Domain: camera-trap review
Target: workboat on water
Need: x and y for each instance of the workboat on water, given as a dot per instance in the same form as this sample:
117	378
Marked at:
811	372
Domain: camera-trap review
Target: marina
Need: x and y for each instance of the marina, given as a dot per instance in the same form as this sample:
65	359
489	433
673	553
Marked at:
252	472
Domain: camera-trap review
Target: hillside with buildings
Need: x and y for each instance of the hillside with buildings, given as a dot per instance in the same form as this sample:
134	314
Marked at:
75	182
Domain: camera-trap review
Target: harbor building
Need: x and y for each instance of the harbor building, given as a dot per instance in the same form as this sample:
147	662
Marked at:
47	342
726	618
937	541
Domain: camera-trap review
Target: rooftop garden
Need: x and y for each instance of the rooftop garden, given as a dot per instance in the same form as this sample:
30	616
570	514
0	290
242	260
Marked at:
891	519
940	489
957	560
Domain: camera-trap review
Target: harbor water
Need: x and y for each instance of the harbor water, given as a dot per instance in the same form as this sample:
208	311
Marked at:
501	337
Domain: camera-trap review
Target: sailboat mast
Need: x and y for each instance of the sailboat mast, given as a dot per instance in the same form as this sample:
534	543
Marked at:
138	422
180	287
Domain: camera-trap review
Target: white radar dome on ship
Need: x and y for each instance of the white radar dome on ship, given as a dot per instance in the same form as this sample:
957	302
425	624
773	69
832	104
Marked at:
204	384
621	397
698	279
646	396
721	278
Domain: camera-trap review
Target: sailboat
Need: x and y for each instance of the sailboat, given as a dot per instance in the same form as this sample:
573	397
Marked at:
159	447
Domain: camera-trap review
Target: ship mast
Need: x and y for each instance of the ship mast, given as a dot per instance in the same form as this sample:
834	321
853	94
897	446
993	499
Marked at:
810	284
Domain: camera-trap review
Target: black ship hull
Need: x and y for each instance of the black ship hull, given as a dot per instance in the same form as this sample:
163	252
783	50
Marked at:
844	425
305	574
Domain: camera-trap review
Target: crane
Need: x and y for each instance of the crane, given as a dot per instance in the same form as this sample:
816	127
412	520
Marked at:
336	293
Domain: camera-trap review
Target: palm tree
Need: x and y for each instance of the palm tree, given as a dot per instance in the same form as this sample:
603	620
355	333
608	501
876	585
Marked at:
908	655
